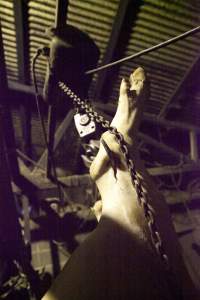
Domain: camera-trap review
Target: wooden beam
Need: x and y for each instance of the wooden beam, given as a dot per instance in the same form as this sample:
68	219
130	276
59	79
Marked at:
46	189
110	108
21	22
21	27
20	87
175	197
25	120
113	40
167	170
51	136
149	140
61	13
170	124
60	21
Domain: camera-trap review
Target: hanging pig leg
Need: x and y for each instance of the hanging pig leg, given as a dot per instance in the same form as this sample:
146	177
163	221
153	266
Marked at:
118	260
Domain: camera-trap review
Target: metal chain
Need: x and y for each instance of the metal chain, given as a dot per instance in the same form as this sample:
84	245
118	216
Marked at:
136	181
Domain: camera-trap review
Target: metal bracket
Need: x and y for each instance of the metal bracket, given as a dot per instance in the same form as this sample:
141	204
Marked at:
84	124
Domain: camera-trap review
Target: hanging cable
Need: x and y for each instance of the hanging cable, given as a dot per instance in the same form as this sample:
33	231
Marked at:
145	51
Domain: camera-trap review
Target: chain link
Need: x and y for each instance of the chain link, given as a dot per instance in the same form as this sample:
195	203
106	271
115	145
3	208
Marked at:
136	181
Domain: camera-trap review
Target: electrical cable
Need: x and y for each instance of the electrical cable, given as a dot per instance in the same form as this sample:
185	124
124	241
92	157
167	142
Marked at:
145	51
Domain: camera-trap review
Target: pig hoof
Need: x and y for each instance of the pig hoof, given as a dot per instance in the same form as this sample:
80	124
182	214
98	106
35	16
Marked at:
132	96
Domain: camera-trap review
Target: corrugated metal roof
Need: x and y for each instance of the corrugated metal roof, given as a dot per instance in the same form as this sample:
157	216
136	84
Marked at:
156	21
9	39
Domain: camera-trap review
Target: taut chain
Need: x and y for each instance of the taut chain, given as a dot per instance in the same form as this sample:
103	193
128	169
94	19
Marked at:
136	181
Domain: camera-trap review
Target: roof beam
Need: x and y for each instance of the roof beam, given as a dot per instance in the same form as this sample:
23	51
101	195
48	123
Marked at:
21	22
163	147
121	29
170	124
61	13
118	24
